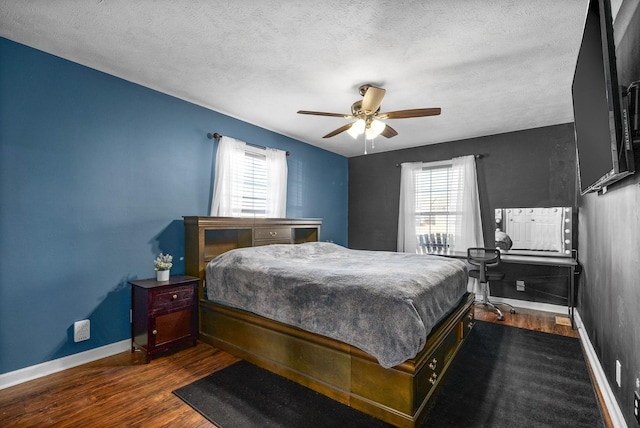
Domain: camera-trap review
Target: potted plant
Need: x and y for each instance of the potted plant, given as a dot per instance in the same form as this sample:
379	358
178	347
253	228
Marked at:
163	264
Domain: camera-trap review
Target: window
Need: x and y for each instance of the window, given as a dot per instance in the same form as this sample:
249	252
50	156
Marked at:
249	181
436	194
439	206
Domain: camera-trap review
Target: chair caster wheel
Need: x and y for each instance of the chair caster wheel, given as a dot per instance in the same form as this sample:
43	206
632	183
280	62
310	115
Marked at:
500	318
513	311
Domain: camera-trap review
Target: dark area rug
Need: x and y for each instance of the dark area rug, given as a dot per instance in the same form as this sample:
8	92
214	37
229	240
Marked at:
503	377
512	377
244	395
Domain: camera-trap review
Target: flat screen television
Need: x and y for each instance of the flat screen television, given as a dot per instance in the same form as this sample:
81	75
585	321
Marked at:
605	150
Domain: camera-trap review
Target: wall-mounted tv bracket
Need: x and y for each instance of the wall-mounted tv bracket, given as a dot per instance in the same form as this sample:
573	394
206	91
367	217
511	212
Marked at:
633	102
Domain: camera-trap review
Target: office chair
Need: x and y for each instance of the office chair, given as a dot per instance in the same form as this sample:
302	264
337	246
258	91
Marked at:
484	258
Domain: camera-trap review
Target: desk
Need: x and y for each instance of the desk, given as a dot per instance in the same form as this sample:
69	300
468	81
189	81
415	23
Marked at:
564	262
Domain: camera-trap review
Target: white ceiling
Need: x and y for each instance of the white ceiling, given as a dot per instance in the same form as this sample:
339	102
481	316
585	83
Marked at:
493	66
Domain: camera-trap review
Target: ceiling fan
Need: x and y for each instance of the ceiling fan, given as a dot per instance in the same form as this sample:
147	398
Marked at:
368	116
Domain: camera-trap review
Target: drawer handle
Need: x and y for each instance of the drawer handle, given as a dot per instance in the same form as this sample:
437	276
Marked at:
272	233
433	364
155	332
175	296
433	379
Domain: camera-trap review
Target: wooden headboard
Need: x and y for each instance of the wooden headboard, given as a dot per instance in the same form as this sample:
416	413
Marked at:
208	237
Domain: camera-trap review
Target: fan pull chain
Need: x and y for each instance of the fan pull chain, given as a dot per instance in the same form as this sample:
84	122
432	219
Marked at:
365	144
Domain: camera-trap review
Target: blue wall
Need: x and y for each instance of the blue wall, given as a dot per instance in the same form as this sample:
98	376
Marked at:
95	176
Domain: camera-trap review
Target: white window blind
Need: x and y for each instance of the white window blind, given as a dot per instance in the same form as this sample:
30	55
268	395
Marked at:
253	190
436	195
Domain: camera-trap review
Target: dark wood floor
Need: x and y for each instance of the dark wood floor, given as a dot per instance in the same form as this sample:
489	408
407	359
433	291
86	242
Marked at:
531	320
122	390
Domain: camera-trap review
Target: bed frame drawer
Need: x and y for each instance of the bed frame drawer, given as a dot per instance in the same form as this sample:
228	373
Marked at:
273	233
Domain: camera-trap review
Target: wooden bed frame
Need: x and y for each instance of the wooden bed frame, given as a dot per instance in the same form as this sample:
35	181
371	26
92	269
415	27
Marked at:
397	395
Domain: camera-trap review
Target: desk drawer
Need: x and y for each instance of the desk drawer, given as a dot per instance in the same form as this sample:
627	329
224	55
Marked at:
168	299
278	233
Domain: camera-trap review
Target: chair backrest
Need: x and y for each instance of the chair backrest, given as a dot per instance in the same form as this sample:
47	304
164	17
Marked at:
483	257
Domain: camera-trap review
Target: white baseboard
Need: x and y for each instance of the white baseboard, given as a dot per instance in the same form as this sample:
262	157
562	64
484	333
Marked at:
39	370
617	419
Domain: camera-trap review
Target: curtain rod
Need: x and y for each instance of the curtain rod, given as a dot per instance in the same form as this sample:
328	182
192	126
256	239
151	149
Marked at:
217	136
476	156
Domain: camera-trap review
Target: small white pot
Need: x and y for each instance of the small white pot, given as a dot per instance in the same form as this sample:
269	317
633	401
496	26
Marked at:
162	275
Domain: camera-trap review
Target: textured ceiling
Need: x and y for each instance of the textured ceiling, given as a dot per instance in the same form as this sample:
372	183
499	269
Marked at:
493	66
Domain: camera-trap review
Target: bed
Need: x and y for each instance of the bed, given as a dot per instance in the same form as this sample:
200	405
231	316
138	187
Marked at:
333	367
345	297
383	303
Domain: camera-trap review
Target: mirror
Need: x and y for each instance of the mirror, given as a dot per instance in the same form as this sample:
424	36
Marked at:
535	231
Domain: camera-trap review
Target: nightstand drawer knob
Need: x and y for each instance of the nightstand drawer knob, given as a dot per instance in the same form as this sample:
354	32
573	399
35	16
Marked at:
155	332
273	233
175	296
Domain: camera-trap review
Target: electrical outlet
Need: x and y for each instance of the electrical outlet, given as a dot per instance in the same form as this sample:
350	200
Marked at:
636	405
520	286
81	330
618	373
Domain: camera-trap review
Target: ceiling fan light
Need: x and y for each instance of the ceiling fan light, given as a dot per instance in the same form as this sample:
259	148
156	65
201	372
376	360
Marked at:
357	128
374	129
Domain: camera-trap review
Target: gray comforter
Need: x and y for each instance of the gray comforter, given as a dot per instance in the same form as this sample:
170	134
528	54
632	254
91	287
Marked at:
384	303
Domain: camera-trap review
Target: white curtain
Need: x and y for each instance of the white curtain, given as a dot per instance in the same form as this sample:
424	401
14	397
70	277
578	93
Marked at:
276	183
407	238
230	173
226	201
464	184
468	231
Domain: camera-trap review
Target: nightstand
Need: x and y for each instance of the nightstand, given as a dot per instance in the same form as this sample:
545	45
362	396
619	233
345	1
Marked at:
164	315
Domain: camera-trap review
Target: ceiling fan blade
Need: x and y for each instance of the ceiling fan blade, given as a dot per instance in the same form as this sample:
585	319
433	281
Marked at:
339	130
416	112
388	132
320	113
372	99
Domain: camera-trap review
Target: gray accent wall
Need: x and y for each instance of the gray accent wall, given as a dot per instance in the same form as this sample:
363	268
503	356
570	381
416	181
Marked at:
609	242
531	168
535	167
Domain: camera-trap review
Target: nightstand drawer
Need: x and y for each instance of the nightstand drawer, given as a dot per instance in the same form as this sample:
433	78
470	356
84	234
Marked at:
172	298
276	233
